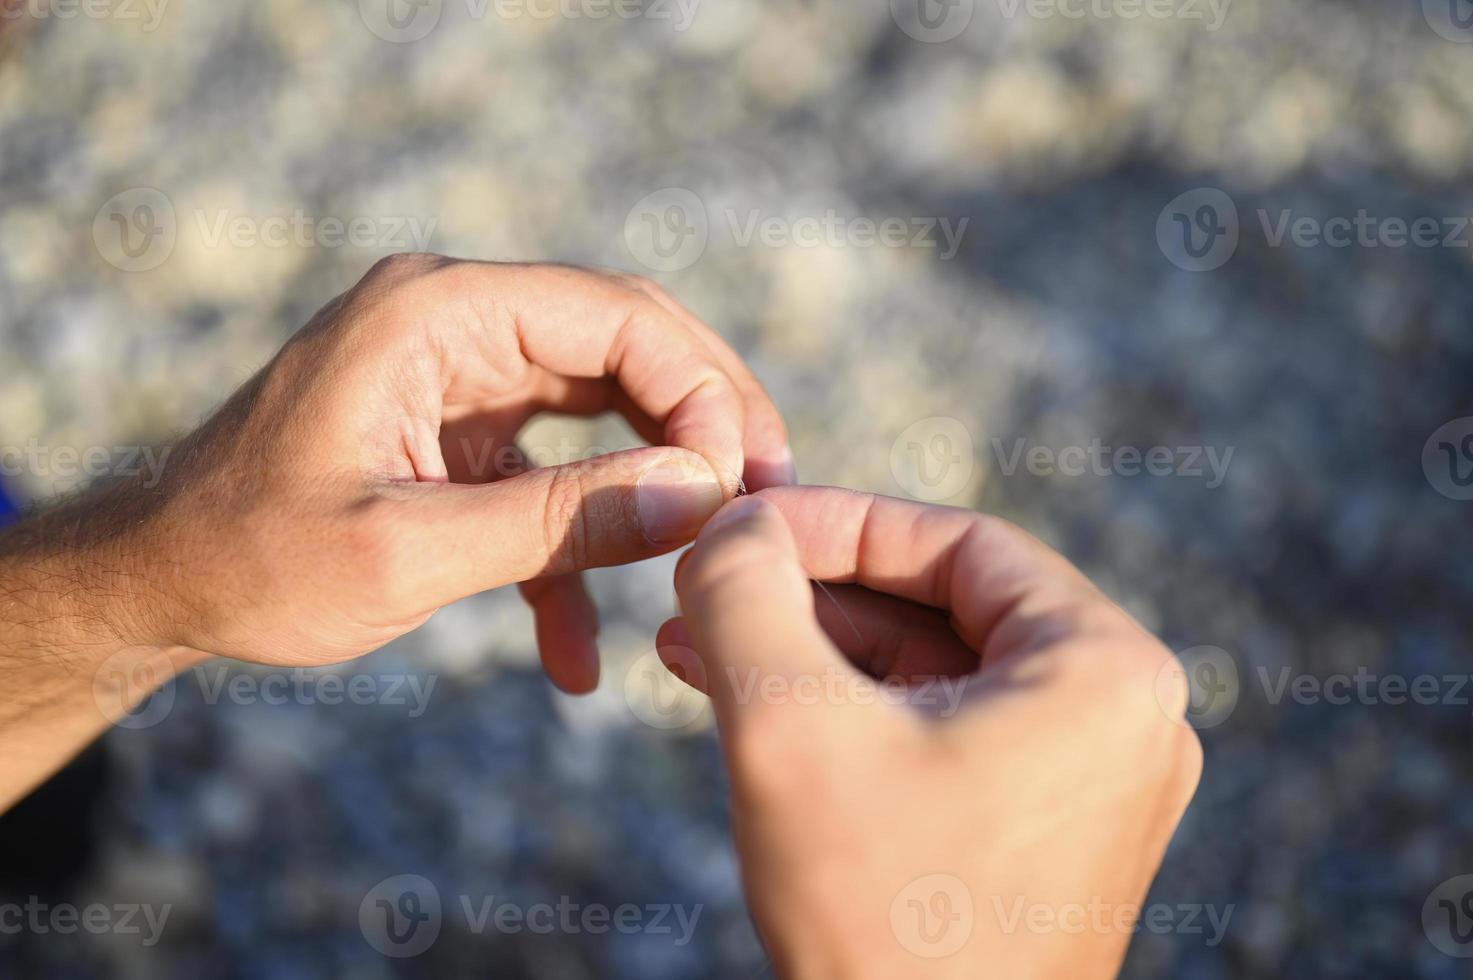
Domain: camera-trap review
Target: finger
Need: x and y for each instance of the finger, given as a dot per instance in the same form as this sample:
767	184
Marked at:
609	510
749	609
883	636
769	459
887	637
1003	588
580	324
566	622
564	616
594	396
675	647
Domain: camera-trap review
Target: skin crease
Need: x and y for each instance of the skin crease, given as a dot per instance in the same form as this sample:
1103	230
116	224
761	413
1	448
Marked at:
1054	788
342	497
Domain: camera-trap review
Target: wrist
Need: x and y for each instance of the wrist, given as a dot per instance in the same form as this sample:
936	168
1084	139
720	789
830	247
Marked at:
71	581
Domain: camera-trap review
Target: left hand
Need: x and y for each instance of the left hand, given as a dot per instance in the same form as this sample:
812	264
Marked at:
368	475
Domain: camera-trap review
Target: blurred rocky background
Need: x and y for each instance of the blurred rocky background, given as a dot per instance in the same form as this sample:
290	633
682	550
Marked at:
958	242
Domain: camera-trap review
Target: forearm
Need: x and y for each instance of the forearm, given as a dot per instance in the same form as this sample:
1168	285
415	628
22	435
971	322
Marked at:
76	641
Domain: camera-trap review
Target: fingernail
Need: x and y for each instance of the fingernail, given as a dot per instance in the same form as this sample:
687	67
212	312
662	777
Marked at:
675	498
735	512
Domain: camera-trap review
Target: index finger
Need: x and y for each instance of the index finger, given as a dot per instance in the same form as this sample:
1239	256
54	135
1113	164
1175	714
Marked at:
579	324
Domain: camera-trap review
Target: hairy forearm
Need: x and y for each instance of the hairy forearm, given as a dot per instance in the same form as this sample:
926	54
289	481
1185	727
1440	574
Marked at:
77	644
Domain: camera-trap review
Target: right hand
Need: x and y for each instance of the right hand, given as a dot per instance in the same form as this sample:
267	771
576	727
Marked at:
875	842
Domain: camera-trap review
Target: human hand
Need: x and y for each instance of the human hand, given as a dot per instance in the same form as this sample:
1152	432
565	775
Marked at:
876	842
368	475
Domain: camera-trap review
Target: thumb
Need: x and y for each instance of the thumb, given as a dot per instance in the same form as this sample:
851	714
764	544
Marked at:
748	608
609	510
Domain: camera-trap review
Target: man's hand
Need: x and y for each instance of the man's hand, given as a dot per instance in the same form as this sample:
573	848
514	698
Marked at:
876	842
369	475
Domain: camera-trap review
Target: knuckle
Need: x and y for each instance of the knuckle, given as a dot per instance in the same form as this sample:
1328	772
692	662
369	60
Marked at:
392	287
564	521
1136	689
402	266
637	283
1119	684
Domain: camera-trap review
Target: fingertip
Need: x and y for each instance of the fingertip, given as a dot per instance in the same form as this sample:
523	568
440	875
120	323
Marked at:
777	470
571	662
675	495
566	624
672	633
742	512
679	657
